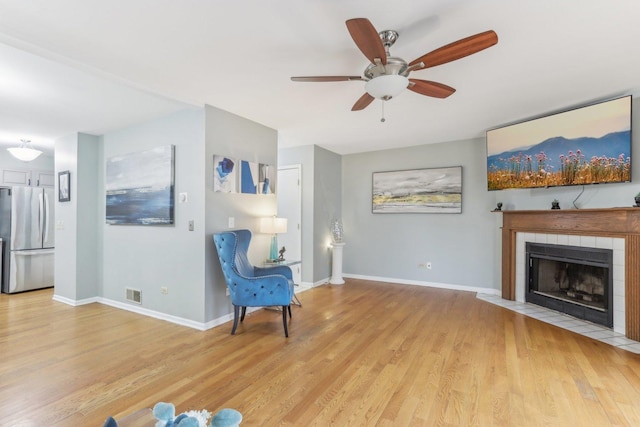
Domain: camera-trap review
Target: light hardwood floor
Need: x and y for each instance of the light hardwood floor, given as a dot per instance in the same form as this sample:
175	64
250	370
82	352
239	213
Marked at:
361	354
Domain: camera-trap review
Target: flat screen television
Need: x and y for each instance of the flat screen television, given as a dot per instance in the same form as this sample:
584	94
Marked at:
586	145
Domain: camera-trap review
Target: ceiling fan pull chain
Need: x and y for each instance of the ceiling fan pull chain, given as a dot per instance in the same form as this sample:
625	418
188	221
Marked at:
382	119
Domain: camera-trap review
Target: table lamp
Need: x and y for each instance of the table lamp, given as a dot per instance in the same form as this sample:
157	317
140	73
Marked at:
273	225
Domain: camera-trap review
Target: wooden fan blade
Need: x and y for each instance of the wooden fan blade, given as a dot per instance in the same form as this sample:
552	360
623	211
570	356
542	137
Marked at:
363	102
367	39
428	88
457	50
326	78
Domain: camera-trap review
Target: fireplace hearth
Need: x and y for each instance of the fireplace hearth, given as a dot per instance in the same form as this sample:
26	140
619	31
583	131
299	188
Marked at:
571	279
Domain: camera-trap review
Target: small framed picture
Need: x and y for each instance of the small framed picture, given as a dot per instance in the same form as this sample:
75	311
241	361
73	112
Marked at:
64	187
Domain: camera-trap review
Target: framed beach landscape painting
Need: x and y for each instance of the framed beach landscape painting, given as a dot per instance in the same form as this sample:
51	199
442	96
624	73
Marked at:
434	190
140	186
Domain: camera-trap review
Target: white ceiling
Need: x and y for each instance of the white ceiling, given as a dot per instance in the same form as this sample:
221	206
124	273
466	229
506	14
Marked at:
95	66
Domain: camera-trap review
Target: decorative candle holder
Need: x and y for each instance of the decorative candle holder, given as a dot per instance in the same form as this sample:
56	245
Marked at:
337	232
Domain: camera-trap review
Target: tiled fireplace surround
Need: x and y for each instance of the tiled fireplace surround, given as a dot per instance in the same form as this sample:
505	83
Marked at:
614	243
615	228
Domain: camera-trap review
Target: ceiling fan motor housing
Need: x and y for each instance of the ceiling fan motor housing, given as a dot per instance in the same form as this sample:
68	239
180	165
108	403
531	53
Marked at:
394	65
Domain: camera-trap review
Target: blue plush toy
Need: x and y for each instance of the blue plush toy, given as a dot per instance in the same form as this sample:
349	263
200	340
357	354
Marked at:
165	413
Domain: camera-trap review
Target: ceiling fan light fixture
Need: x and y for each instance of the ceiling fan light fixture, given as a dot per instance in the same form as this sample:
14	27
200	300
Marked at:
386	86
24	152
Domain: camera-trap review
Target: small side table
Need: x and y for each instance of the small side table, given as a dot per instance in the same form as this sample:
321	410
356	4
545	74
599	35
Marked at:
287	263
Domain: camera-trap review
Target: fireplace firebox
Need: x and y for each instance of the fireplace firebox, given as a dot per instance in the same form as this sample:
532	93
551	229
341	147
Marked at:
574	280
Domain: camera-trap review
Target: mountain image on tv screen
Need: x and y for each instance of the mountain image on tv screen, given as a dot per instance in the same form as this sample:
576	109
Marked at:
589	145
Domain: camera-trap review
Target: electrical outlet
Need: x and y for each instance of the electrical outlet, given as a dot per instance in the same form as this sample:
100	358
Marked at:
164	290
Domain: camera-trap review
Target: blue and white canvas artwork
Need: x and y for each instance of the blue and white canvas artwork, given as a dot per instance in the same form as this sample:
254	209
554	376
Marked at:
225	174
248	177
267	179
139	187
437	190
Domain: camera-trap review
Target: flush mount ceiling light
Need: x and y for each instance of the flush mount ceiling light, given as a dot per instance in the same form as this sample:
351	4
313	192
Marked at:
24	152
386	86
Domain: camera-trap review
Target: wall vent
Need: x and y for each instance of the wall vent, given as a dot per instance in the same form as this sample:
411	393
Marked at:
134	295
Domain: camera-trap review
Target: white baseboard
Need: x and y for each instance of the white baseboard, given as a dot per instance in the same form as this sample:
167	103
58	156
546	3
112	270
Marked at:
227	317
152	313
480	290
321	282
155	314
74	303
308	285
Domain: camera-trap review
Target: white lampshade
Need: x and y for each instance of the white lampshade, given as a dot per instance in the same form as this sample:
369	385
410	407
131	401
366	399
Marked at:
273	225
386	86
24	152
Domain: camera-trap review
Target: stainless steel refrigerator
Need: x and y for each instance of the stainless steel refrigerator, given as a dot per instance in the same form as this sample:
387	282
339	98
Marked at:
28	238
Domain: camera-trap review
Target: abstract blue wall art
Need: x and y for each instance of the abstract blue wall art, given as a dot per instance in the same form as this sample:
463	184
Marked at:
225	174
140	186
267	184
248	177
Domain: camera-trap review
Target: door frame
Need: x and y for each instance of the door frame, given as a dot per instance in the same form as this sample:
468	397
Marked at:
297	167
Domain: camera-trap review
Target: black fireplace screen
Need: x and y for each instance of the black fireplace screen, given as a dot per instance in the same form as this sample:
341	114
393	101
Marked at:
573	280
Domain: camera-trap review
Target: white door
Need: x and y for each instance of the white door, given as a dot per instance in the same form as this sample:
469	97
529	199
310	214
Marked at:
290	207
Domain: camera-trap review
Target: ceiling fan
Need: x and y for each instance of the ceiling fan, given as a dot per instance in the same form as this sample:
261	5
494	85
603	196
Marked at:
387	76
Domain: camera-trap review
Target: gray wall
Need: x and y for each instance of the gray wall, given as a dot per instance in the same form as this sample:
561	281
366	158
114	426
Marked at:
391	246
233	136
321	202
327	206
94	259
87	239
77	234
151	257
66	218
463	249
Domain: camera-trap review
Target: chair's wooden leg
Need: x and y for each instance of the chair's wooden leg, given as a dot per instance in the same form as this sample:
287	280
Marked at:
244	311
236	314
289	308
284	320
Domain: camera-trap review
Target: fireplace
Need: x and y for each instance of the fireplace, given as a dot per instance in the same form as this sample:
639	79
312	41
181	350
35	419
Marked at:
617	228
571	279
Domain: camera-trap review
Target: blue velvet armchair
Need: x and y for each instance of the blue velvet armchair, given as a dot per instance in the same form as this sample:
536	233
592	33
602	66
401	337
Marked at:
251	286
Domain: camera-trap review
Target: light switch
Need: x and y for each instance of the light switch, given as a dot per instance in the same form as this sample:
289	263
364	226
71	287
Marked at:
232	222
191	226
183	197
59	225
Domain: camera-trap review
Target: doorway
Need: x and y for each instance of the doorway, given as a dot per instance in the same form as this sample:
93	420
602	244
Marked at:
290	207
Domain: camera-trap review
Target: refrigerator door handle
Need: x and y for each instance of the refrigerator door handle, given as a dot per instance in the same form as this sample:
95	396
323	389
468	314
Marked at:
40	213
46	218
